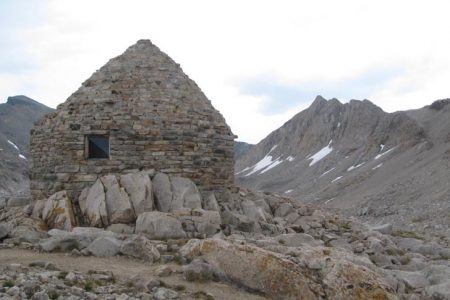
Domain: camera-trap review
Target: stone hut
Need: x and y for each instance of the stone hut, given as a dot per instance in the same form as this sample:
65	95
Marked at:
139	111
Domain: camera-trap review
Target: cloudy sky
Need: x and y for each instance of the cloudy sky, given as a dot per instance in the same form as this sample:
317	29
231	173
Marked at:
260	62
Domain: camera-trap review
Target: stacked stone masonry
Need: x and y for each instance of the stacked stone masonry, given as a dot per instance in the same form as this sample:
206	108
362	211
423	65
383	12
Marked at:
155	117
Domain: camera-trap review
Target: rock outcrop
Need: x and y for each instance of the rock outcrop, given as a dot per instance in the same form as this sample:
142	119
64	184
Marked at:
56	211
159	226
159	205
269	246
280	277
240	148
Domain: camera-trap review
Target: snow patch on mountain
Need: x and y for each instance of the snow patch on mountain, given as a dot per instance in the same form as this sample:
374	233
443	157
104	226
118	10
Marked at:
273	148
14	145
337	178
264	164
321	154
326	202
326	172
243	170
272	165
377	166
384	153
354	167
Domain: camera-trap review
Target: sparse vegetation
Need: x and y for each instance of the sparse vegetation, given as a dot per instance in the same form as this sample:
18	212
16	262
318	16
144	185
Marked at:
418	219
68	283
52	294
404	260
390	252
178	260
179	287
406	234
88	285
345	226
393	252
326	252
8	284
62	275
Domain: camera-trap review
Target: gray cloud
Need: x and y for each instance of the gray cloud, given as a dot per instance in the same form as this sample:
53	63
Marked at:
15	17
280	97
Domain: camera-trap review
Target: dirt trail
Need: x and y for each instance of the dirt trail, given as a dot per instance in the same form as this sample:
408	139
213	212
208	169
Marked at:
123	269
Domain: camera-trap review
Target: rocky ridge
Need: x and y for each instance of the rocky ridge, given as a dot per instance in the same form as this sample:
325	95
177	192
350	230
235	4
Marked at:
240	148
361	161
266	245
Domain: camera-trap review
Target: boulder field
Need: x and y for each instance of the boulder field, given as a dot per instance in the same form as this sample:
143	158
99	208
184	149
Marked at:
268	246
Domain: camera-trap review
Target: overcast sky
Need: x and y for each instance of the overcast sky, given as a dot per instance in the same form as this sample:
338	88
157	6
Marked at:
259	62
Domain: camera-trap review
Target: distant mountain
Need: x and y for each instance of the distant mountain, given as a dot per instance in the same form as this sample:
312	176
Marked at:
17	116
240	148
356	158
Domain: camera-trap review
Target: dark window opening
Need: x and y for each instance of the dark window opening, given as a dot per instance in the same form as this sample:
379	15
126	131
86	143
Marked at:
97	146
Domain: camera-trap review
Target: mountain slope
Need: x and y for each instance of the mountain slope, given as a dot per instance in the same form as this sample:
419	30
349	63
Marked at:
354	157
240	148
17	116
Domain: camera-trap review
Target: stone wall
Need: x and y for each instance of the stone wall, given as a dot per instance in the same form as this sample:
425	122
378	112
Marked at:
155	116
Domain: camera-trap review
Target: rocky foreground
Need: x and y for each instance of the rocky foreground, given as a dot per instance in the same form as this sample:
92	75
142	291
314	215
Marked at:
179	243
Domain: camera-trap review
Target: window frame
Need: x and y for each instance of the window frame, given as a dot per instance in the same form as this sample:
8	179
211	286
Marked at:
86	146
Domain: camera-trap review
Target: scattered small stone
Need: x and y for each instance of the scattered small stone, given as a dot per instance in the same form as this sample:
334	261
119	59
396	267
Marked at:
45	265
163	271
198	270
71	277
105	246
42	295
13	291
167	258
385	228
5	229
202	295
75	252
140	247
165	294
152	283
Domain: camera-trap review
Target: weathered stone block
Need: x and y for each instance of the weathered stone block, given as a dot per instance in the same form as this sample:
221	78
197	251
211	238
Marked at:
67	168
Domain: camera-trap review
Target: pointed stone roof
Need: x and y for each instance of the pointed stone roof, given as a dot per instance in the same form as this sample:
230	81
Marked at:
141	73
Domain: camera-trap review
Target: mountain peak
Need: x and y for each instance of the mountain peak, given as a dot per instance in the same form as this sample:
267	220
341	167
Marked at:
17	116
439	104
319	99
21	100
319	102
363	103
